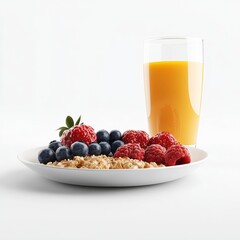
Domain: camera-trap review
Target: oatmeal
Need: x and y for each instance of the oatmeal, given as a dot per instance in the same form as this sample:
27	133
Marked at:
103	162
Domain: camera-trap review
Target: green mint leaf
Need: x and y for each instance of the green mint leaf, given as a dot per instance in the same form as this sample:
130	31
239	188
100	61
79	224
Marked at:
63	128
61	132
78	120
69	121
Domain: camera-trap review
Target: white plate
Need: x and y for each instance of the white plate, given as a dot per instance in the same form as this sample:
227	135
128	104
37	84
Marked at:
112	177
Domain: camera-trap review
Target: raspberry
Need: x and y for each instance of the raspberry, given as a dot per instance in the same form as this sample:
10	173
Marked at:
165	139
177	155
155	153
130	150
81	132
66	138
133	136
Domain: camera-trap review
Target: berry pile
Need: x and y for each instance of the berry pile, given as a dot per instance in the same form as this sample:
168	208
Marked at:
78	139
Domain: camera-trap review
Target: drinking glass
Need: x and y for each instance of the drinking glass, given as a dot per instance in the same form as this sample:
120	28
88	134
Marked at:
173	74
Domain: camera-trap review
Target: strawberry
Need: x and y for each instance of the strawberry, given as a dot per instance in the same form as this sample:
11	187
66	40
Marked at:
133	136
75	132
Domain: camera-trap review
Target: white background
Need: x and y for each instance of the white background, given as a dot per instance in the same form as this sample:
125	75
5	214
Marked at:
85	57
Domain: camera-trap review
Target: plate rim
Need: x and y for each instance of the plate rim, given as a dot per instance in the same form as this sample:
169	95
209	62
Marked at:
111	170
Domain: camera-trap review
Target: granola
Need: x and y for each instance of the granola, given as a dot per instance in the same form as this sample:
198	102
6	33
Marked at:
103	162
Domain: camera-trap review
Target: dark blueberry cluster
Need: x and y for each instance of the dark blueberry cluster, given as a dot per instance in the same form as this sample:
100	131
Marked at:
107	143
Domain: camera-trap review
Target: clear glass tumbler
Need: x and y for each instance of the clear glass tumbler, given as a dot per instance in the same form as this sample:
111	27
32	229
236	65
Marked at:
173	73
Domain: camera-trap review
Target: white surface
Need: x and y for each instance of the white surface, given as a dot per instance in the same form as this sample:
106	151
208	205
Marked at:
113	177
93	51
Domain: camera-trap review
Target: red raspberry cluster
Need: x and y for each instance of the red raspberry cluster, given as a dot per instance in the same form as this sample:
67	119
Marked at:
162	148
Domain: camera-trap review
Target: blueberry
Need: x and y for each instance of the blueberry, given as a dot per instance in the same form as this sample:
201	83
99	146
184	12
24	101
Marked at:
94	149
63	153
79	149
54	145
106	148
115	135
103	136
46	155
116	144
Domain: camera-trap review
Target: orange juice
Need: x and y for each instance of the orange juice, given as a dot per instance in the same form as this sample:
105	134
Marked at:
173	98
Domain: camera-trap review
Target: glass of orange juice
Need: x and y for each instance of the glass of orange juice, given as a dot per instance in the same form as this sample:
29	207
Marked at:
173	74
